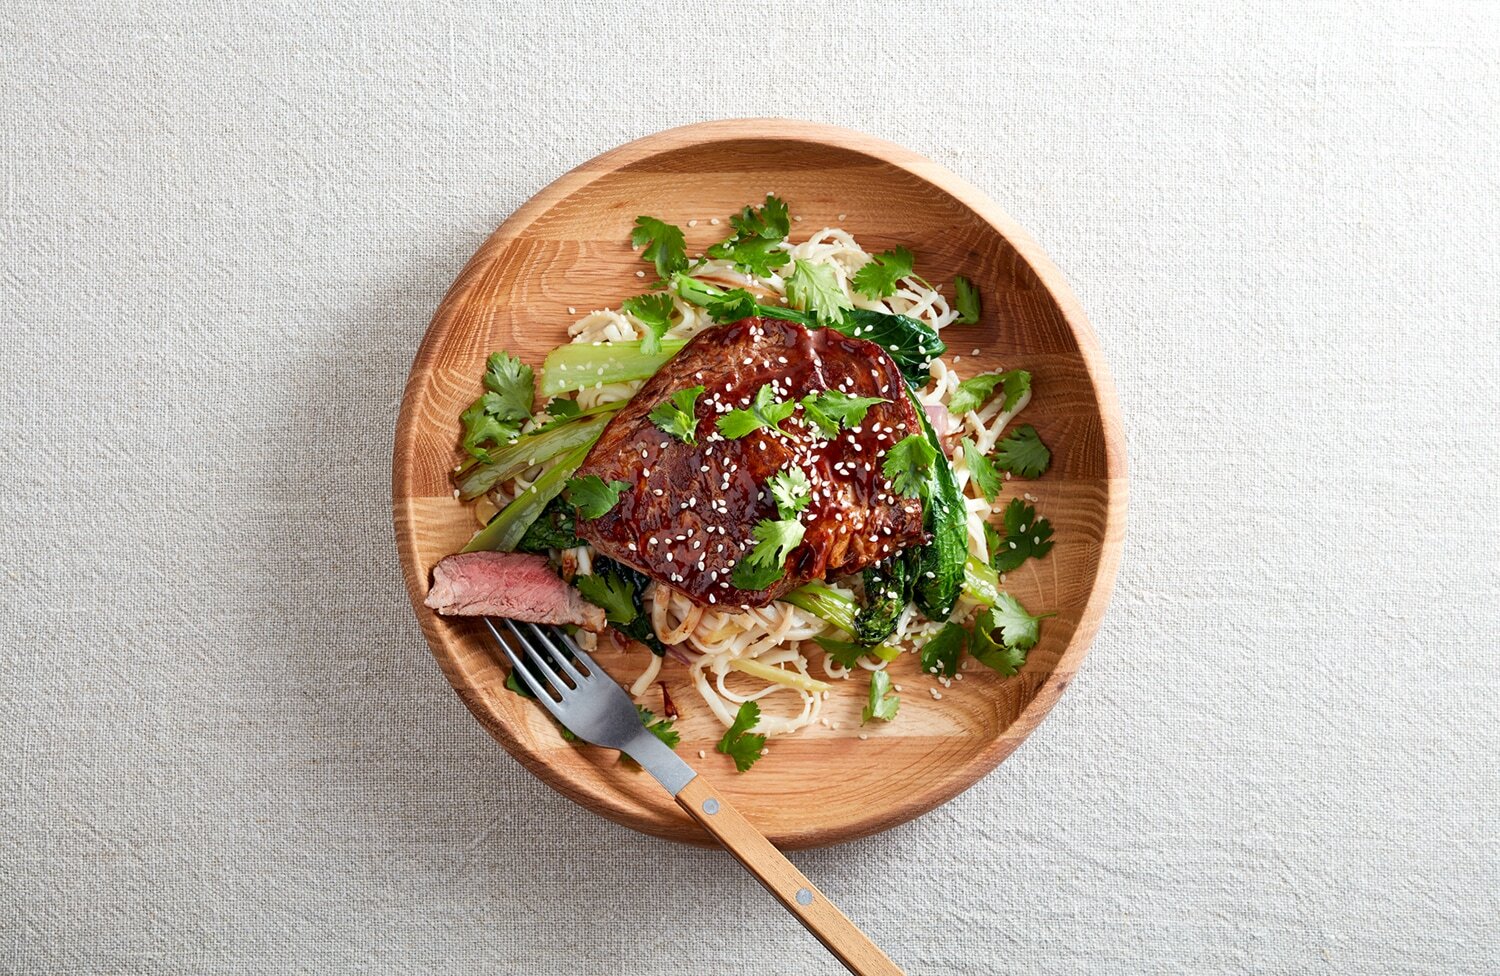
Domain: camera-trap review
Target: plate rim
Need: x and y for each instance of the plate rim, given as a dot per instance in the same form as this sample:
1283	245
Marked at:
606	802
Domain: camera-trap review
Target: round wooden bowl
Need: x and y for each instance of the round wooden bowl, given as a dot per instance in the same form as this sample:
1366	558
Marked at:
568	246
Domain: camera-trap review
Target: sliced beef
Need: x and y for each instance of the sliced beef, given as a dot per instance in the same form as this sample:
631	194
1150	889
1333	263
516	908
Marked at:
517	585
687	517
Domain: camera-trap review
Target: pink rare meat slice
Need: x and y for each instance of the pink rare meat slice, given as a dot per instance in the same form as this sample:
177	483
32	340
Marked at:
517	585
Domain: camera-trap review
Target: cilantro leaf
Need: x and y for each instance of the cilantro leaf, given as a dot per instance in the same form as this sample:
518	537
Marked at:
512	384
739	743
755	255
1019	630
497	416
813	414
845	653
592	495
770	221
659	727
883	704
737	423
791	491
610	591
766	411
907	464
625	584
815	288
941	653
1026	537
653	311
483	430
878	278
830	410
992	653
1023	453
848	410
974	391
676	415
665	246
733	305
766	563
562	408
981	471
966	300
755	246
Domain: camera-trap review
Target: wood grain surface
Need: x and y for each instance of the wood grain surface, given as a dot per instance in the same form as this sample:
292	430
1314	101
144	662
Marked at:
568	247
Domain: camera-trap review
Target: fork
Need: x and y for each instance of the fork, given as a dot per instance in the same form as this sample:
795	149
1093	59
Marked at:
582	696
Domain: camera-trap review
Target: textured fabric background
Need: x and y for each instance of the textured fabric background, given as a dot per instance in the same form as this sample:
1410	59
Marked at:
224	747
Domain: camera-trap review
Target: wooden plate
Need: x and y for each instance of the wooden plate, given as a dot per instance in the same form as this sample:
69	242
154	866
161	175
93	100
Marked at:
568	246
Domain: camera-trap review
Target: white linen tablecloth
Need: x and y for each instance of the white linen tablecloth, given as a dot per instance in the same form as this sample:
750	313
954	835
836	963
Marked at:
224	747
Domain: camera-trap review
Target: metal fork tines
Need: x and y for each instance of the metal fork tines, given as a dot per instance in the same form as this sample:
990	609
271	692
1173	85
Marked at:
582	696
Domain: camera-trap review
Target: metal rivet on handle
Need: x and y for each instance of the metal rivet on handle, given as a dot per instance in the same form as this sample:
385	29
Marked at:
710	806
804	896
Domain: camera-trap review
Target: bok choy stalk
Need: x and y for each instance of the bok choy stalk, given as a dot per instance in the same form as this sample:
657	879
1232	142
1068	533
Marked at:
980	584
508	526
509	460
826	603
940	567
888	589
578	366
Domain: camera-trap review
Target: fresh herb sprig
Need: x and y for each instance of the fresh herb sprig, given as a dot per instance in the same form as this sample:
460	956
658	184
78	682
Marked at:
766	563
738	742
592	495
504	406
1026	537
1022	452
765	412
676	415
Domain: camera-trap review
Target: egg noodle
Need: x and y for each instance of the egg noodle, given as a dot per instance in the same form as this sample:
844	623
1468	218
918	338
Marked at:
758	654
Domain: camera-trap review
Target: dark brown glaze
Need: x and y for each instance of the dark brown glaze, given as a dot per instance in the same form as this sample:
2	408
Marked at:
687	517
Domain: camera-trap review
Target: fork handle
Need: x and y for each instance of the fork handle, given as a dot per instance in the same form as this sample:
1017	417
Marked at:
781	878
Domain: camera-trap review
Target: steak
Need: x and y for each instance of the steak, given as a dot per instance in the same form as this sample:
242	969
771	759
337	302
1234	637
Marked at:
517	585
686	518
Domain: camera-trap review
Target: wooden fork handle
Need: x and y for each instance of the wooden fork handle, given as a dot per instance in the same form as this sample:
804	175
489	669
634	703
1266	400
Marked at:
782	879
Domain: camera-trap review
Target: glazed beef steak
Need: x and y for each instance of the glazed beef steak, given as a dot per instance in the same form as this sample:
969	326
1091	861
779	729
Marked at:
687	516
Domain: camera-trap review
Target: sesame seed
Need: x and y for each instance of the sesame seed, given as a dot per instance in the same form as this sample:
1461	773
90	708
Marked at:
640	274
